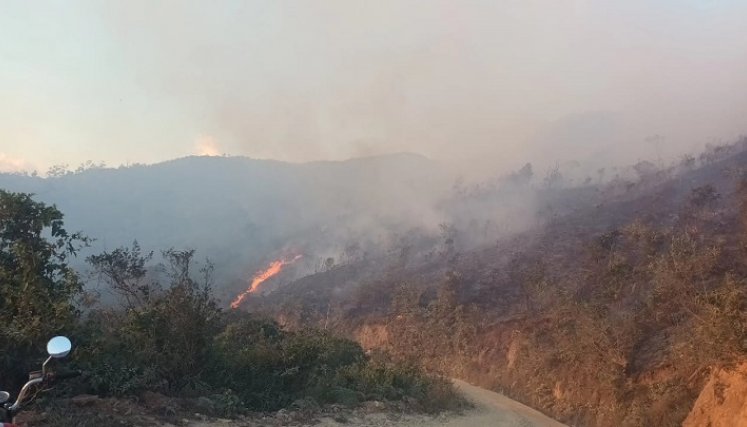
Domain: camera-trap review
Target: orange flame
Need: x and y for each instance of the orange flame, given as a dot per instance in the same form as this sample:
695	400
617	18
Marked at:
274	268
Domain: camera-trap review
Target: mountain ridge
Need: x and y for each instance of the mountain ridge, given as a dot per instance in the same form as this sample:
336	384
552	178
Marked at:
239	211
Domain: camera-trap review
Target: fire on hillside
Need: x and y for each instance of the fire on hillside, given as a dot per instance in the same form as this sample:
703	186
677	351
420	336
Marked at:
262	276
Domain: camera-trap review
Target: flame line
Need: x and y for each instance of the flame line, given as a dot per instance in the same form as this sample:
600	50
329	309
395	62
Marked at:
261	276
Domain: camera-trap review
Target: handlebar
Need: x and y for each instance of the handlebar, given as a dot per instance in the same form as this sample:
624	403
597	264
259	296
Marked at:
20	400
57	348
36	379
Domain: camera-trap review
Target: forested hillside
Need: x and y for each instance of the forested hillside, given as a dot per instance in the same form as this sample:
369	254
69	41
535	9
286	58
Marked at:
242	212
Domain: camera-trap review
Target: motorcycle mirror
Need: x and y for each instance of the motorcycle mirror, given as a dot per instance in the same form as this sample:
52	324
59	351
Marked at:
4	397
59	347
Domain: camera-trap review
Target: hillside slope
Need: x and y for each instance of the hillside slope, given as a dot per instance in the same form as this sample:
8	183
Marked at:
241	212
611	313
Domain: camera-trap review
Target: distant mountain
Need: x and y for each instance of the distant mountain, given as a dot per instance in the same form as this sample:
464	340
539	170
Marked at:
241	212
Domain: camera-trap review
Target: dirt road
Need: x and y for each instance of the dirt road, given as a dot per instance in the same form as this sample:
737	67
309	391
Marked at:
491	410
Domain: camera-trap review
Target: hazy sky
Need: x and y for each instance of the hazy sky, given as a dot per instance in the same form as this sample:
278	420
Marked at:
494	82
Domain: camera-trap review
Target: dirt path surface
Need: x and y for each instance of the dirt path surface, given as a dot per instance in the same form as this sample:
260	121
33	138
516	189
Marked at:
491	410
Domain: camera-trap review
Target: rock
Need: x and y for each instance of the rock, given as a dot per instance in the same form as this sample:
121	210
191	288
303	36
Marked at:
84	400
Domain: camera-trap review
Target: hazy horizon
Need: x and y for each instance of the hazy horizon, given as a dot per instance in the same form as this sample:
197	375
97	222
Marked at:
479	86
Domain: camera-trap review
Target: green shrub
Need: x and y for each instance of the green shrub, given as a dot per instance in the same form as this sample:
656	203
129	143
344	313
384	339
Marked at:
37	286
271	369
162	344
175	340
378	380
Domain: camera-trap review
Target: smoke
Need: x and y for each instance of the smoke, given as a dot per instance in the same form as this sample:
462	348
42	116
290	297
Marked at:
481	86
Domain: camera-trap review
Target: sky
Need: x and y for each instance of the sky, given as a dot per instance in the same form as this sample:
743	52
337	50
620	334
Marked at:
481	85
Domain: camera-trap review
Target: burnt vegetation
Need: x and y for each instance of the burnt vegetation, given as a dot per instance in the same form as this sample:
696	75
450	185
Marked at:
613	310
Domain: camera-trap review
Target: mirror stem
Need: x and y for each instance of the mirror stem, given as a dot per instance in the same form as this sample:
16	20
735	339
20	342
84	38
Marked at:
44	365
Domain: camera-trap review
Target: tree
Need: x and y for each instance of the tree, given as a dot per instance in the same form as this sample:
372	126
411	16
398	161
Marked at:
178	327
124	269
90	165
37	286
162	341
58	171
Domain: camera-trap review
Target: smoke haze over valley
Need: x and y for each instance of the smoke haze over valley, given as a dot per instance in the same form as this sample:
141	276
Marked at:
331	212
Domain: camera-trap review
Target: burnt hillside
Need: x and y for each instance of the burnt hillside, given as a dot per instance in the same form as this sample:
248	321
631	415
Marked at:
612	311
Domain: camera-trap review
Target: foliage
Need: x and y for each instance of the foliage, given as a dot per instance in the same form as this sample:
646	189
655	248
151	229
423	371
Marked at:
37	286
270	368
124	270
720	332
176	340
162	339
380	380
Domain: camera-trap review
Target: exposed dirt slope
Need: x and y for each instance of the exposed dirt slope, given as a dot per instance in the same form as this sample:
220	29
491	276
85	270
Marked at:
722	401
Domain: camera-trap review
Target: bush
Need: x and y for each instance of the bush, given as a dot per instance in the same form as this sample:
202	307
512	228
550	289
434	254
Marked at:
162	344
177	341
270	368
37	285
378	380
720	327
